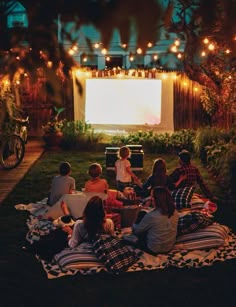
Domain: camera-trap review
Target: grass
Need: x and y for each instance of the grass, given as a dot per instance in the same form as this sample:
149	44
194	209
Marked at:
23	281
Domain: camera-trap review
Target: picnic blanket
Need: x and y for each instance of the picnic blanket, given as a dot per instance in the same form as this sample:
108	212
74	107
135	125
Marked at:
202	248
82	260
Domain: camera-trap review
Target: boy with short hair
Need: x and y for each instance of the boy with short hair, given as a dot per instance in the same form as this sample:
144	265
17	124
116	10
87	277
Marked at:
61	184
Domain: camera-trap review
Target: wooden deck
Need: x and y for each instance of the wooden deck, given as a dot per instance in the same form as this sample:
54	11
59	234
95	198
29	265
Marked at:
9	178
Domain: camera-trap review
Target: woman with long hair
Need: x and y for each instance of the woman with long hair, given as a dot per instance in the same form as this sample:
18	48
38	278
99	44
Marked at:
157	229
159	177
94	222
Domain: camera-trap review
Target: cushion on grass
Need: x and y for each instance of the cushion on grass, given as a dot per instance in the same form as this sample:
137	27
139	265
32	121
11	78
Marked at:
206	238
80	257
192	221
182	197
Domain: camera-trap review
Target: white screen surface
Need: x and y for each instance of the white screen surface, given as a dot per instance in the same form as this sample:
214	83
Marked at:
123	102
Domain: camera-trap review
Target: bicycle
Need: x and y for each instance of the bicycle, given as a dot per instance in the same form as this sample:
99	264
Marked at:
21	128
12	150
12	145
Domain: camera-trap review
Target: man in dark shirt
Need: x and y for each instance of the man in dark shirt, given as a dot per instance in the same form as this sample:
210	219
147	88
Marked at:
193	175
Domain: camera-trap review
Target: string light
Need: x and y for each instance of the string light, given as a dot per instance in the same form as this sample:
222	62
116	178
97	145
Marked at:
174	48
149	45
203	53
104	51
206	41
211	47
139	51
179	55
177	42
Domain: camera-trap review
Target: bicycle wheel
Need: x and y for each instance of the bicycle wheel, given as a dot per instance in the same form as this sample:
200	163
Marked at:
12	151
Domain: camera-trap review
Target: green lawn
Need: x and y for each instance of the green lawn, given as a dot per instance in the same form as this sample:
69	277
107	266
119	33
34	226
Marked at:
24	283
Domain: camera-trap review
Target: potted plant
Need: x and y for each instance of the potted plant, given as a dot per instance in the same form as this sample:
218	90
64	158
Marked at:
53	129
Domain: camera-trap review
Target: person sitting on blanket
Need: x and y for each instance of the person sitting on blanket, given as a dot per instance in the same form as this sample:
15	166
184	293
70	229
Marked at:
193	175
93	223
157	229
61	184
96	184
159	177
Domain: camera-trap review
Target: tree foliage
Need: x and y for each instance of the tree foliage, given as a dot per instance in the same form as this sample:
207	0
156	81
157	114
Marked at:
31	48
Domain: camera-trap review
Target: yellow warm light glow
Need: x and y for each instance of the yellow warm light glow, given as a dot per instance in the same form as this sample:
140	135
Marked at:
18	58
177	42
211	47
131	58
174	48
108	58
17	82
85	59
179	55
164	76
206	41
139	51
227	51
195	89
203	53
75	48
104	51
124	45
149	45
49	64
155	57
96	45
71	51
185	83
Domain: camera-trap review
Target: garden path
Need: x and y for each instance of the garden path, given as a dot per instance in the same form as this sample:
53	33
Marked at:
9	178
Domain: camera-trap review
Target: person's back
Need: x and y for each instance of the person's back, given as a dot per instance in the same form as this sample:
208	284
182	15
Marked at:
123	170
94	222
159	226
193	176
96	184
61	184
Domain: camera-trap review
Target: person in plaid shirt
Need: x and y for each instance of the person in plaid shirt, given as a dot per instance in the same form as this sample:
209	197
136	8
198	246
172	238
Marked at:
193	175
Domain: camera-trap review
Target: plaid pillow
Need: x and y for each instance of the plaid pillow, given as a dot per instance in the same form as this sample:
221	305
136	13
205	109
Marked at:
182	197
192	221
115	256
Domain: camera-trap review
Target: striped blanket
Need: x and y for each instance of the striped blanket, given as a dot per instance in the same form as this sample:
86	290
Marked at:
200	248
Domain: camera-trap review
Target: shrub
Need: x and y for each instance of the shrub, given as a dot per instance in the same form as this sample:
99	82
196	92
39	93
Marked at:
206	137
79	135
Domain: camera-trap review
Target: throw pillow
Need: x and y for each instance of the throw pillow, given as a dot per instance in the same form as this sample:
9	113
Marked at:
115	256
182	197
192	221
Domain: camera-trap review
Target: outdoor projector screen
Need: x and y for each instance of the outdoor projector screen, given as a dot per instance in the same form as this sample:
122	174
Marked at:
123	101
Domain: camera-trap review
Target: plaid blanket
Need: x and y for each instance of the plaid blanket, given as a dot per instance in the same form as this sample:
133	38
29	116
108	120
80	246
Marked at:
82	260
176	258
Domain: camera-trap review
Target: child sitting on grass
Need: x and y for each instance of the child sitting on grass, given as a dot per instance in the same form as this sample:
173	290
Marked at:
61	184
96	183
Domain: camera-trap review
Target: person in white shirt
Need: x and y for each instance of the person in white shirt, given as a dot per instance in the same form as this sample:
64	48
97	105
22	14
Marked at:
94	222
124	174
